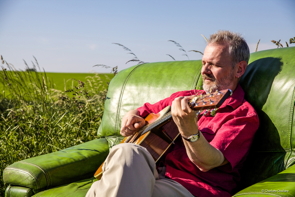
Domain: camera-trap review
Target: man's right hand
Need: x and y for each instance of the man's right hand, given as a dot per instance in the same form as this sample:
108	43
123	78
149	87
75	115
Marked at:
131	123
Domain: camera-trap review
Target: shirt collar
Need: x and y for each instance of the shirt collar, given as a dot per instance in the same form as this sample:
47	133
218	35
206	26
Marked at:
236	99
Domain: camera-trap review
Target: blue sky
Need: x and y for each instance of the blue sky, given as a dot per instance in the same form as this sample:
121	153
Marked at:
74	35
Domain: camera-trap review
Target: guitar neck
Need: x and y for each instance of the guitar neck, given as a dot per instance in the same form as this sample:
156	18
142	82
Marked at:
157	123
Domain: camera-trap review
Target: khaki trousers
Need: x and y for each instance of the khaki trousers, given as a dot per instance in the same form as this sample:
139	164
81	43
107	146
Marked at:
130	171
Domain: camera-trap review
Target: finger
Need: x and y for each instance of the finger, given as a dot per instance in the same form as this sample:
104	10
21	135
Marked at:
139	124
184	105
177	101
175	105
180	106
130	124
179	98
126	132
181	103
123	124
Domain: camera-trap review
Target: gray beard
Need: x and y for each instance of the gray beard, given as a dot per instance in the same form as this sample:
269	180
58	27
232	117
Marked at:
210	88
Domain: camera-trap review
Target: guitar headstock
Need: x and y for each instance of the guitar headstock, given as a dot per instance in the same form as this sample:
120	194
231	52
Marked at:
209	100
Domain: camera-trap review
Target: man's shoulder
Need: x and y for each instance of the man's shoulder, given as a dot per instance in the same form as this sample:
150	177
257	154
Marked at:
247	106
239	105
248	109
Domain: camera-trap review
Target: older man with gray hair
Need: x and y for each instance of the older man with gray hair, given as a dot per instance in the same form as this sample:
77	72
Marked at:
206	159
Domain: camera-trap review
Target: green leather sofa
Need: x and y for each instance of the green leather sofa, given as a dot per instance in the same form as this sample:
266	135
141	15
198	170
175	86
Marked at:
269	171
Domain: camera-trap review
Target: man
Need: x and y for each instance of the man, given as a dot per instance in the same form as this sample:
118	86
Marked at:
207	159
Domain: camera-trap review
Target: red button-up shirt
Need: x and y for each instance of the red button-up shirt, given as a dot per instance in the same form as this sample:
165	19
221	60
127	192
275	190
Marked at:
231	131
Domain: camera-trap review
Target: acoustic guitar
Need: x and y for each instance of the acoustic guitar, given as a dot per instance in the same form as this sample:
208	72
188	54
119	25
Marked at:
156	140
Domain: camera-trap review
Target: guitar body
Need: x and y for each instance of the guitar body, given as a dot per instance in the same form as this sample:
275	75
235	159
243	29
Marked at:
157	140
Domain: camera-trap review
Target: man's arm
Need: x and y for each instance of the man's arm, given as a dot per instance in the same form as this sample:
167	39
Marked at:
200	152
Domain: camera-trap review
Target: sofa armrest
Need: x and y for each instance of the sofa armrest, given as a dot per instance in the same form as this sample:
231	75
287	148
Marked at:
282	184
58	168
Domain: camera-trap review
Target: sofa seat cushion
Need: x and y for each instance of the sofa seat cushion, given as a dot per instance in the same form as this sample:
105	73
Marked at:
77	189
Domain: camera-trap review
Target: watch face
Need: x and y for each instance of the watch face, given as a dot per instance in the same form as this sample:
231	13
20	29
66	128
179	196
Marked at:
194	138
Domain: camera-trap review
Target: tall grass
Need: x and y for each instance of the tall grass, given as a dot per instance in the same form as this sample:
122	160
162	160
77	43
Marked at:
36	119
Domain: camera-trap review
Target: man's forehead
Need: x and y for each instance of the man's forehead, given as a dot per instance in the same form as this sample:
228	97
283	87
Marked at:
216	49
219	46
216	53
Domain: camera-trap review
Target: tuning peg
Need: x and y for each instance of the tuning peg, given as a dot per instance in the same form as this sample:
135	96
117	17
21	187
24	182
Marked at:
231	92
211	102
213	111
208	93
192	104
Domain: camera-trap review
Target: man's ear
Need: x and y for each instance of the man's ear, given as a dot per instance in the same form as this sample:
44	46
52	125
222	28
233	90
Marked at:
241	68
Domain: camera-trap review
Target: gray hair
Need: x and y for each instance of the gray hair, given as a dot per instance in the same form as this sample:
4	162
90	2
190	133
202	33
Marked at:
238	47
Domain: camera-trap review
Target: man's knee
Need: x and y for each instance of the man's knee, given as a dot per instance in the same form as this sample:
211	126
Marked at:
129	152
128	148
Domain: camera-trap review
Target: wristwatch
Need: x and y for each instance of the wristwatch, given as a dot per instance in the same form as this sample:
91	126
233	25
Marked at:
193	137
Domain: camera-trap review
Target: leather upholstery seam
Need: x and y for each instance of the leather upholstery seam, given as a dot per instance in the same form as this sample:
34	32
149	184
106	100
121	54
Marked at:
24	172
291	115
246	193
8	190
40	168
121	94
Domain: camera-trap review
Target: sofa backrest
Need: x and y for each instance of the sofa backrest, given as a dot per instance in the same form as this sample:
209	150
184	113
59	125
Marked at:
269	86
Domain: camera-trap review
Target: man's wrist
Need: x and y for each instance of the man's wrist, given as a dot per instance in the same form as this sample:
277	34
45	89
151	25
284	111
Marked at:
192	138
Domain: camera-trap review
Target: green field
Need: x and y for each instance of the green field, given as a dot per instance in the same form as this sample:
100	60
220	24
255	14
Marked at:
63	81
45	112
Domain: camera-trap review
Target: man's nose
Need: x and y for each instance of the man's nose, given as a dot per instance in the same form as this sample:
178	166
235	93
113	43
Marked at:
206	69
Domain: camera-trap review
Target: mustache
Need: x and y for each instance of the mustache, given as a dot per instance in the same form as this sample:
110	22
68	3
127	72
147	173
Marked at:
206	76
